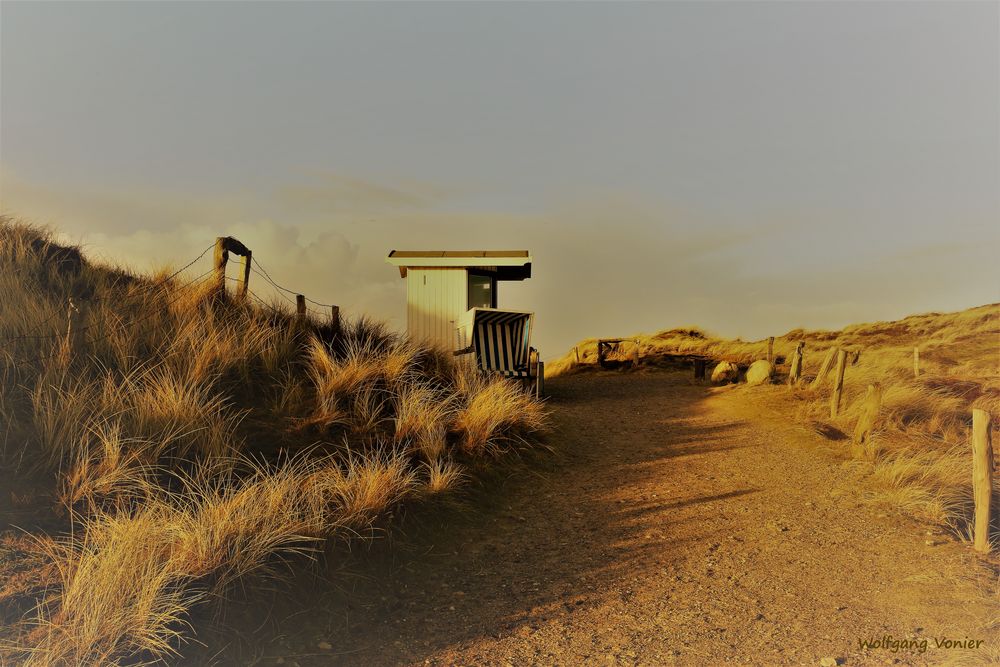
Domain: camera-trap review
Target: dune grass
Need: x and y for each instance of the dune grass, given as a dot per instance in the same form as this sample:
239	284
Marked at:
192	439
919	448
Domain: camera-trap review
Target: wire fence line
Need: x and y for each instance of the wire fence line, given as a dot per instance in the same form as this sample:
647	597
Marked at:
318	314
144	292
266	276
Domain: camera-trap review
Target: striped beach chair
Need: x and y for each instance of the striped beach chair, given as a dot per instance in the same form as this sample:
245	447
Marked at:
501	342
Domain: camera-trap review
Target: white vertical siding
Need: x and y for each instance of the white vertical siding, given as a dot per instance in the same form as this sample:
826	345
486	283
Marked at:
435	301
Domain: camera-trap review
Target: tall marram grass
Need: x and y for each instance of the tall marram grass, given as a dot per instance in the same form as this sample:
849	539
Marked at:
192	439
920	447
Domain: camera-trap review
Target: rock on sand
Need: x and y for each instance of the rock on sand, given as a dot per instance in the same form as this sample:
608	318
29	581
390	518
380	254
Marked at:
760	372
725	372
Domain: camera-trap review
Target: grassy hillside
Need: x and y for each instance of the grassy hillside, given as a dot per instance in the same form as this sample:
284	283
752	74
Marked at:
919	449
166	441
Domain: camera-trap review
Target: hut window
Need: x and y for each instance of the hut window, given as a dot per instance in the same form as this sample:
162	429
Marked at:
482	291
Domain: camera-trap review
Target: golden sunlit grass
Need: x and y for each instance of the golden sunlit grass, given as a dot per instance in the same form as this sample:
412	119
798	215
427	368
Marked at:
443	476
489	409
191	440
920	445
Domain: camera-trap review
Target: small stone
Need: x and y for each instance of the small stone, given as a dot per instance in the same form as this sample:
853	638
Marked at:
725	373
829	662
931	543
759	372
324	646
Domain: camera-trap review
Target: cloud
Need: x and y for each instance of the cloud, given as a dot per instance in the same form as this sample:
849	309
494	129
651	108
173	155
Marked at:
330	194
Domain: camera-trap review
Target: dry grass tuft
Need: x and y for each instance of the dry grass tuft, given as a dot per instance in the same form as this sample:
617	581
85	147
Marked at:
371	484
119	595
443	476
422	417
494	414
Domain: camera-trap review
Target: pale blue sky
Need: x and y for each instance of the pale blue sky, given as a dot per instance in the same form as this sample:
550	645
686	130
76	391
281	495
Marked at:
747	167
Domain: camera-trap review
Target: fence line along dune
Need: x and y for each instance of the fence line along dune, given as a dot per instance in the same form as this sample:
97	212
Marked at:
918	441
187	439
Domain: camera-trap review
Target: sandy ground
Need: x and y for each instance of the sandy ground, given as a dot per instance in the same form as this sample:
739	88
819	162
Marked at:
675	524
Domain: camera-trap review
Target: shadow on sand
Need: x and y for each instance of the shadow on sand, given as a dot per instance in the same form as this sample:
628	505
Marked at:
546	536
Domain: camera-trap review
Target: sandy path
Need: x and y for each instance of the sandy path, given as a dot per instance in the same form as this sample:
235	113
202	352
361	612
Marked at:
680	525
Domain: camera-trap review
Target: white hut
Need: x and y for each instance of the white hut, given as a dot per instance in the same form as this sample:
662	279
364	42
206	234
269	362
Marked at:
442	285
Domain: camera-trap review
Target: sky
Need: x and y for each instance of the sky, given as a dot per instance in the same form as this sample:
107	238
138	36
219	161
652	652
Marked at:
746	167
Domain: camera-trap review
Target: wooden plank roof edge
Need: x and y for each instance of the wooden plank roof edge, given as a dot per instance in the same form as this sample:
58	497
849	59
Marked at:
458	253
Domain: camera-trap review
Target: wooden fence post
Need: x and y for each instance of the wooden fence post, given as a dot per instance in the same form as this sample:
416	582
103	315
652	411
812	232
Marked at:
223	246
795	372
221	256
824	368
861	442
916	362
65	348
335	320
300	307
770	349
838	383
982	476
245	281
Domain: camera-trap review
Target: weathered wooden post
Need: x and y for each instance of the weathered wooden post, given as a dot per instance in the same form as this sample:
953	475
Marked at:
335	320
540	380
982	477
838	383
223	246
70	310
221	256
65	348
770	349
824	368
245	280
861	442
916	362
795	372
300	307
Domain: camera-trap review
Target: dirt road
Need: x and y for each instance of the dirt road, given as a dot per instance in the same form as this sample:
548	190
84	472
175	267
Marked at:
676	524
